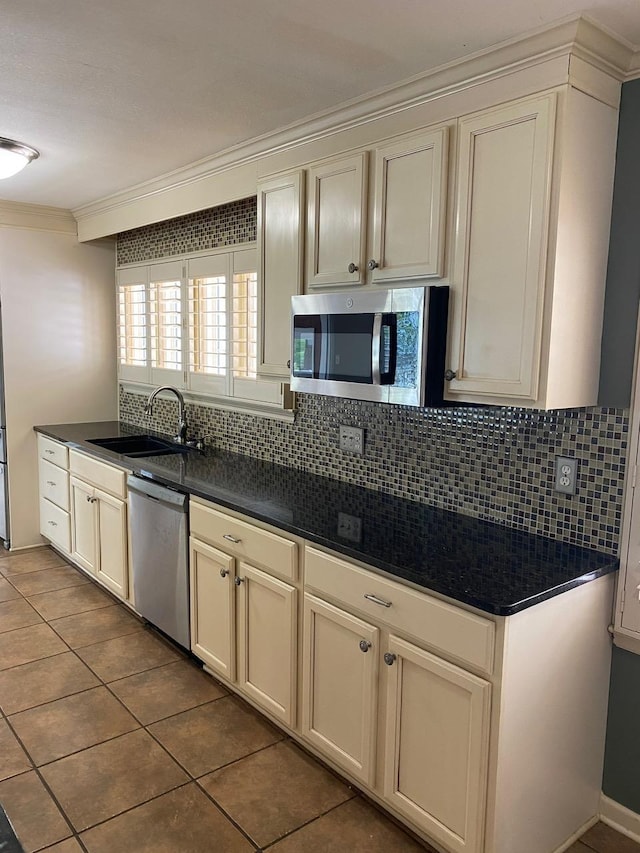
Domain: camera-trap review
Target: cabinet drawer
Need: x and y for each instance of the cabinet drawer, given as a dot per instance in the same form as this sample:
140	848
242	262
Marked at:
54	483
455	633
258	547
106	477
53	451
55	524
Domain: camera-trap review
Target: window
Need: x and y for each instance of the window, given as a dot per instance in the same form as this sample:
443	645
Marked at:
133	357
194	326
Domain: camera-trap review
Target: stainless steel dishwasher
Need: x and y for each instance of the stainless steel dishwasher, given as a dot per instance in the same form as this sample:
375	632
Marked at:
159	565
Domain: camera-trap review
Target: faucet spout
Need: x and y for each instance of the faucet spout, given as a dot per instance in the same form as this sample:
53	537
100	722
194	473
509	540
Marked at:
181	437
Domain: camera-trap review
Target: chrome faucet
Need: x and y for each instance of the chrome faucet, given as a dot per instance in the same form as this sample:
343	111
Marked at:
181	437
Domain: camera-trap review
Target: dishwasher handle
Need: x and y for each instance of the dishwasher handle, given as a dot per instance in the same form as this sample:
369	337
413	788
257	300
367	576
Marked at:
154	491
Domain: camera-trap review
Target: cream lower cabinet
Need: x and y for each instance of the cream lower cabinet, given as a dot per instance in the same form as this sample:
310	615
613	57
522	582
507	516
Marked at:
410	725
99	540
340	686
436	744
244	619
53	479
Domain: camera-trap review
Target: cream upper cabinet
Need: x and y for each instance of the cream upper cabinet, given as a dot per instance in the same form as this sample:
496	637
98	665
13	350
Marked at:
533	205
336	221
409	210
436	745
280	259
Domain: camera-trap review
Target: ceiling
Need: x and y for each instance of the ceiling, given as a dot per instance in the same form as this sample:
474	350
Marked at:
116	93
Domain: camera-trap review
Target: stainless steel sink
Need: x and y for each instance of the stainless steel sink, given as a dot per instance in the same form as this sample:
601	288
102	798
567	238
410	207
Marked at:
139	445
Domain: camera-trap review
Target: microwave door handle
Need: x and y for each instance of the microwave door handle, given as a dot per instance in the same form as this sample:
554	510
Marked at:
375	349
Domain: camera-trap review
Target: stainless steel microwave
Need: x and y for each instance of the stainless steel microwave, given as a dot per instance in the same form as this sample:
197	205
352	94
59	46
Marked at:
385	345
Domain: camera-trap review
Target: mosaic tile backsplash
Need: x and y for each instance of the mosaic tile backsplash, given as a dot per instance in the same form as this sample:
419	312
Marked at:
207	229
493	463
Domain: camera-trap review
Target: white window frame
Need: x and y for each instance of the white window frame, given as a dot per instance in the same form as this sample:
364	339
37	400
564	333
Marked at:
260	396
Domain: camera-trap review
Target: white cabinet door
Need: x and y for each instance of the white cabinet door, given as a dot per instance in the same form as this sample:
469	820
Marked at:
502	213
280	254
113	565
409	208
340	687
213	622
336	222
267	634
84	525
436	745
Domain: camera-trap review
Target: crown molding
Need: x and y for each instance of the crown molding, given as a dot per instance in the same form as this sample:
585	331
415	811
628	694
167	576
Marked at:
37	217
634	67
574	35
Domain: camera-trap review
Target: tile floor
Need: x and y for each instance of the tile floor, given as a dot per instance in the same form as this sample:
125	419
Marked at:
113	740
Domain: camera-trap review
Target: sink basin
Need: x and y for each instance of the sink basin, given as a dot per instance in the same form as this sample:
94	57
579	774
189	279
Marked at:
139	445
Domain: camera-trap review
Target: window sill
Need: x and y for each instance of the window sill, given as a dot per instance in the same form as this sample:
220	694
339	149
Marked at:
209	401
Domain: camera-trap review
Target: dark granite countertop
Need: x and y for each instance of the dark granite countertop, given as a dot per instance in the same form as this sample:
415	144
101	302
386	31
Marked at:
478	563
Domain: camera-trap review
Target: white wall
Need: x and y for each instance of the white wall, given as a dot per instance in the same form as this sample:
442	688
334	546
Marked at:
58	327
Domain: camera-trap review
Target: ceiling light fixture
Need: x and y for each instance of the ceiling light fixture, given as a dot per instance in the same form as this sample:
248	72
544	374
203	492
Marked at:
14	156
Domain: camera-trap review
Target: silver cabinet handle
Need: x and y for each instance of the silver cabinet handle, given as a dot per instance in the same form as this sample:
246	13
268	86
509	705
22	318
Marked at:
353	267
389	658
376	600
237	581
231	538
50	483
364	645
373	265
450	375
88	499
53	523
224	573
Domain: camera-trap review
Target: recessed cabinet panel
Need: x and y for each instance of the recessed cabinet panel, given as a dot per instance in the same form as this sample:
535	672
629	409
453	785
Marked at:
340	673
409	208
336	213
504	174
54	483
213	622
267	628
55	524
113	559
280	252
438	718
84	525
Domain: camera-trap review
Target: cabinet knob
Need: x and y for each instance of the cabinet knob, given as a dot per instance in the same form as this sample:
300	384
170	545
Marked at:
231	538
449	375
238	581
93	500
289	362
389	658
50	452
365	645
224	573
88	499
353	267
373	265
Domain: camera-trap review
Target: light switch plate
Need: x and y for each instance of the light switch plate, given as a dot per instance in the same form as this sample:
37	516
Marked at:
566	475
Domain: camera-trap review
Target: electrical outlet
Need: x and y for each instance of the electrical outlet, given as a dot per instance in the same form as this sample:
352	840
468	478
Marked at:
566	475
352	439
350	527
